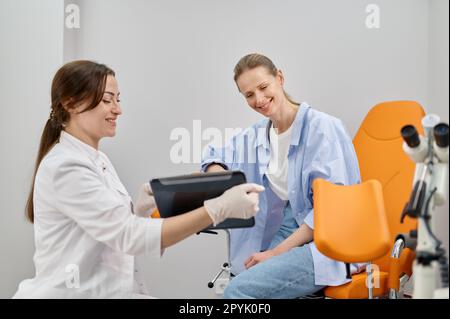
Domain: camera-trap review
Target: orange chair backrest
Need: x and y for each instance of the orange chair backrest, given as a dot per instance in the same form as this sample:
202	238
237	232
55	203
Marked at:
350	221
378	145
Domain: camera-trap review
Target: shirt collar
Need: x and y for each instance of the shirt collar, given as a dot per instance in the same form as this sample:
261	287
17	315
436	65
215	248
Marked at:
73	142
299	122
296	127
262	134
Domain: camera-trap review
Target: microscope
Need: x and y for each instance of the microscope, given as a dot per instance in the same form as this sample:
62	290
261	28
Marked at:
430	187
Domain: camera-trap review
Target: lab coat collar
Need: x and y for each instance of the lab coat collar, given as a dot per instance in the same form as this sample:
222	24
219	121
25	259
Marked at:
71	141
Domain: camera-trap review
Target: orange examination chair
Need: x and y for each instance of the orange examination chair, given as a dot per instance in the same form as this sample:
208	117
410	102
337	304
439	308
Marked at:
378	146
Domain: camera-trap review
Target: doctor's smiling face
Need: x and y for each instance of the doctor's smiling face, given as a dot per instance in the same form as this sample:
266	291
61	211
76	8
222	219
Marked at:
101	121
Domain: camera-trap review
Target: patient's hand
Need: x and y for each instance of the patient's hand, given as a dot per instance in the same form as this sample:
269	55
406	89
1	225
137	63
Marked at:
257	258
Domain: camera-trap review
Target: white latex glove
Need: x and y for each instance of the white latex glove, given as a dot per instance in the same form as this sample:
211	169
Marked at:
237	202
145	202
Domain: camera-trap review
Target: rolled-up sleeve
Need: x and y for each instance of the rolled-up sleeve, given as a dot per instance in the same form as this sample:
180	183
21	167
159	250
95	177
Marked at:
81	195
221	155
309	219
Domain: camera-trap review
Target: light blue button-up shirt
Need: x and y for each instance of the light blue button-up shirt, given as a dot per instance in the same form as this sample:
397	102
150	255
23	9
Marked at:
320	148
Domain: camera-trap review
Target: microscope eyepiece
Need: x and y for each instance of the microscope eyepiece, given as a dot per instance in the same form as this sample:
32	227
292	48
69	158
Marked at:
410	136
441	135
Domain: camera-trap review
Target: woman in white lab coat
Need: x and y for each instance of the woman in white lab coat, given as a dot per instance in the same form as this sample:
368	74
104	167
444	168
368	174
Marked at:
85	227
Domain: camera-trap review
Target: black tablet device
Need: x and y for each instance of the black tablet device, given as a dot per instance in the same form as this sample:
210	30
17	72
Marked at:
180	194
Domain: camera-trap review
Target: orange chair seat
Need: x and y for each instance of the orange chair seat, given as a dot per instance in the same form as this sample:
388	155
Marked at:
357	289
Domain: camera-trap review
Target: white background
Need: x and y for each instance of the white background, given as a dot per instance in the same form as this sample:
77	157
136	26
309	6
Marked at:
174	61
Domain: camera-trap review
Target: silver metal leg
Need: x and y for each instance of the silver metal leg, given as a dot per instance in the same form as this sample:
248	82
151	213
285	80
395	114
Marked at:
396	252
226	267
369	279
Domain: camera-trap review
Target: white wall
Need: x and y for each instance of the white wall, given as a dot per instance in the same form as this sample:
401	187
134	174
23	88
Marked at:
174	62
31	39
438	86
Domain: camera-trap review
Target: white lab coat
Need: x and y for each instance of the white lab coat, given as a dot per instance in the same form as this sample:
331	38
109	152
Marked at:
84	228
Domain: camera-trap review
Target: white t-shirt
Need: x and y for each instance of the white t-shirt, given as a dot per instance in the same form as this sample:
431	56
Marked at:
277	172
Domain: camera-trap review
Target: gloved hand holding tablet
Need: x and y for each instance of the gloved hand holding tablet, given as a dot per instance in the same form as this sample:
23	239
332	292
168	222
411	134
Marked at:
180	194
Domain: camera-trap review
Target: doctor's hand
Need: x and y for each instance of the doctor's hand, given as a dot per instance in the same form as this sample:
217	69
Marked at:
145	202
237	202
259	258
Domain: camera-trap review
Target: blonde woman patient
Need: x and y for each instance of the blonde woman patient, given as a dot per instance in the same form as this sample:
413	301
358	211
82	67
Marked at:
285	151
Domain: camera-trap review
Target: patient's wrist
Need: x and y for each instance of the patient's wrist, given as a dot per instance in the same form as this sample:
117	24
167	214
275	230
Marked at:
279	250
215	167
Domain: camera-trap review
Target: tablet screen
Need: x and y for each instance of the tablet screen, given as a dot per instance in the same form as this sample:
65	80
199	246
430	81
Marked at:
180	194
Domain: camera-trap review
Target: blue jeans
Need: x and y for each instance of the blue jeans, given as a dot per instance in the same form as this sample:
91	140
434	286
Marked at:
286	276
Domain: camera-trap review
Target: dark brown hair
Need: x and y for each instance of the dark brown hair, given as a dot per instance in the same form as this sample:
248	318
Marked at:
254	60
74	84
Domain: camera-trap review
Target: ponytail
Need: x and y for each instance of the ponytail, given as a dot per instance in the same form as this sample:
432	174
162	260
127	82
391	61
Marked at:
288	97
50	136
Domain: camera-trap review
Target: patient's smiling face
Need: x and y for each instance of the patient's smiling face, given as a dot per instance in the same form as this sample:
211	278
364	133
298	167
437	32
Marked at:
262	90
